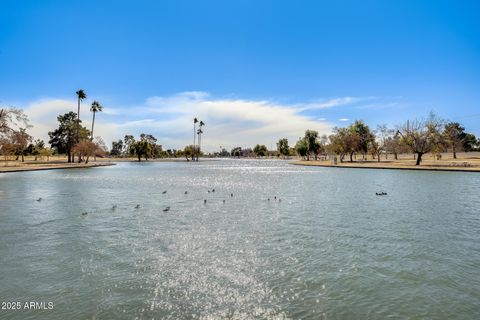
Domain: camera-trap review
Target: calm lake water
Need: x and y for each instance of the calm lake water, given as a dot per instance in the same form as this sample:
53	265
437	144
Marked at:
330	249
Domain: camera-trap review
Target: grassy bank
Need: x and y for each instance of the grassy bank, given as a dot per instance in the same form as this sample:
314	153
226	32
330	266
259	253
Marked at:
60	162
465	162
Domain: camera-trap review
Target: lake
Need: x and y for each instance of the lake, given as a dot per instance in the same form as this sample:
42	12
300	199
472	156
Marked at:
326	248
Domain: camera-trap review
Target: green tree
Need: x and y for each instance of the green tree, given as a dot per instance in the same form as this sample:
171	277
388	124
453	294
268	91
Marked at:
311	138
158	151
454	135
236	152
38	149
45	152
260	150
64	137
128	140
144	147
224	153
117	148
344	141
188	151
364	134
141	148
282	147
96	107
35	148
301	148
470	143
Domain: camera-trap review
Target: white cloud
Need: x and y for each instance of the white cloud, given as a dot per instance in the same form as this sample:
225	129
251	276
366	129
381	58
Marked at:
229	122
43	115
344	119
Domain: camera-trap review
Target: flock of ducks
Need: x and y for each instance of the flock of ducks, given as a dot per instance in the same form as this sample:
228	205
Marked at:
166	209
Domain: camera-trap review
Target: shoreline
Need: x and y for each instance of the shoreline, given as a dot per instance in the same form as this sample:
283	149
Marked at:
385	166
29	166
54	166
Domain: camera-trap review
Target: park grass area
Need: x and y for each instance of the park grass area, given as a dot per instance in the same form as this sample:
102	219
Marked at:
465	162
31	165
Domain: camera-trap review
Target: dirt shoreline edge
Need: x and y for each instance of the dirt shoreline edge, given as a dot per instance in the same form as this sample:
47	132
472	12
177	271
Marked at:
385	167
54	167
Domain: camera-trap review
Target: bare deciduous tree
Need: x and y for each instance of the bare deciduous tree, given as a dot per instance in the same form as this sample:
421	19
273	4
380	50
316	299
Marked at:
422	136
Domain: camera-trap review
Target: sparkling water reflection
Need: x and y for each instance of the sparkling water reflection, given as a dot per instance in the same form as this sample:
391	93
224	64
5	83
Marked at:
330	249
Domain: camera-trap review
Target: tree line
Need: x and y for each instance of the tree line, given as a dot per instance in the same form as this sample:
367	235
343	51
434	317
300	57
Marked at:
419	137
430	134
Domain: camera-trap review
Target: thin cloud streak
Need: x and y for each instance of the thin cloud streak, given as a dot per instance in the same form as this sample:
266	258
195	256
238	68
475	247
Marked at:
335	102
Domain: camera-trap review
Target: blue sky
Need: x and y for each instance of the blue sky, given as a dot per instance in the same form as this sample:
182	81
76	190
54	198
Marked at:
255	71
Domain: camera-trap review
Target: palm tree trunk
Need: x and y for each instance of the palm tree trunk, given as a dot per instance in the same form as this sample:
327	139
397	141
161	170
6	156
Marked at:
199	143
77	134
194	133
78	118
93	123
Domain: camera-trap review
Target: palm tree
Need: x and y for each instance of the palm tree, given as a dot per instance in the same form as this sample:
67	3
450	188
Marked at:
81	95
96	107
194	132
200	131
